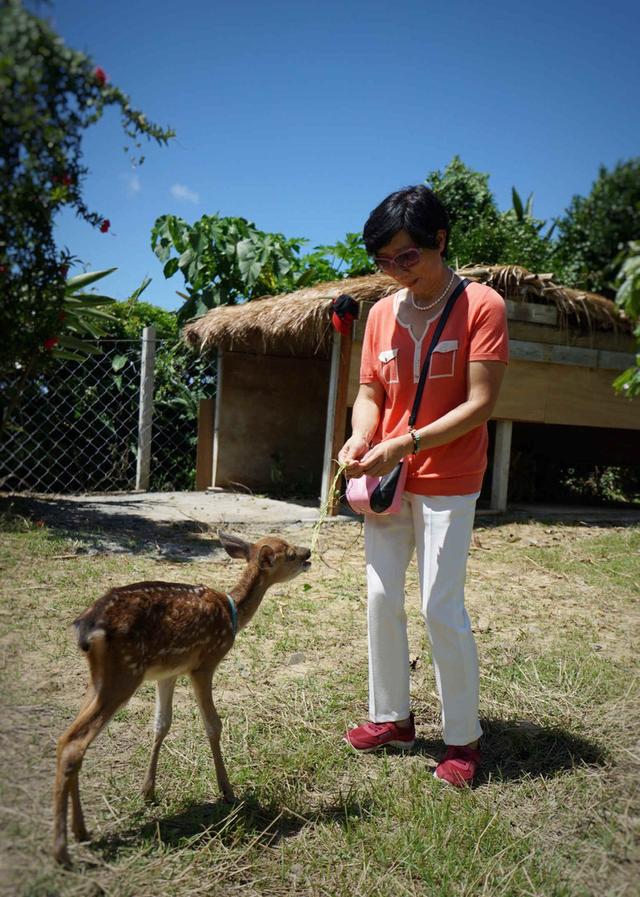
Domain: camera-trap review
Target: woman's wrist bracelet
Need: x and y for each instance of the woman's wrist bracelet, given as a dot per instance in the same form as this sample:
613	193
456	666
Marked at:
416	441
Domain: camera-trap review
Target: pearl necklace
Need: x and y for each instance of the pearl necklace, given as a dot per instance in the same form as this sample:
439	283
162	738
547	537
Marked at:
435	302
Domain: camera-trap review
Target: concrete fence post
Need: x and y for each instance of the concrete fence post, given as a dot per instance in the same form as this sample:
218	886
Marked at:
327	464
145	414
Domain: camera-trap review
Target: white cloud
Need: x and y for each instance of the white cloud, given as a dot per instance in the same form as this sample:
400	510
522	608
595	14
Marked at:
179	191
134	185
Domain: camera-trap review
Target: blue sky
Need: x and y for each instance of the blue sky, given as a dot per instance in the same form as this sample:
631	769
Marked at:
303	116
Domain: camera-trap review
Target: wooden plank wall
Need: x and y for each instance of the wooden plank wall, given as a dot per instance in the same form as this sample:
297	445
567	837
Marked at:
564	394
270	422
544	392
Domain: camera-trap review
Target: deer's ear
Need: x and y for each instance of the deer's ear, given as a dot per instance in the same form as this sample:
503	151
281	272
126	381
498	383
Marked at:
266	558
234	546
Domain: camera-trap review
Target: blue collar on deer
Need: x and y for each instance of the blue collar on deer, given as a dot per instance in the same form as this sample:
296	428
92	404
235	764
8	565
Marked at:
234	614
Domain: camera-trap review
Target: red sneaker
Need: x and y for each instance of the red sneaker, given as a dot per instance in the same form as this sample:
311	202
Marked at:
459	766
372	736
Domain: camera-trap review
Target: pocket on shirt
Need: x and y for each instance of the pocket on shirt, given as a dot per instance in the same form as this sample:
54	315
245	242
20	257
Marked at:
389	366
443	360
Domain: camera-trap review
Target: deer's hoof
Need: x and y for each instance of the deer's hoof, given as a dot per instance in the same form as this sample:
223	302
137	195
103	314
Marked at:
61	856
228	796
149	793
82	834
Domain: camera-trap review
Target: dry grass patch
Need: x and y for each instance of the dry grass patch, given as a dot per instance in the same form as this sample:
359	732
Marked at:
556	809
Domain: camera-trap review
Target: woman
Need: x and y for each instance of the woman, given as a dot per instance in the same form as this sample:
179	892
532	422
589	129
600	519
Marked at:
407	234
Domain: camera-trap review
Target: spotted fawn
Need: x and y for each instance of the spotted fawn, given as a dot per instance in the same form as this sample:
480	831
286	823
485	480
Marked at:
159	631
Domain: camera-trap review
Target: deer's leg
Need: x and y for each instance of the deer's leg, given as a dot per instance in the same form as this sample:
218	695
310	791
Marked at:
201	681
162	724
77	818
72	747
78	826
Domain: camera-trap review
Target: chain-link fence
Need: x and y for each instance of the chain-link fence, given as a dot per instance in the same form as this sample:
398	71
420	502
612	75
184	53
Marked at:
76	428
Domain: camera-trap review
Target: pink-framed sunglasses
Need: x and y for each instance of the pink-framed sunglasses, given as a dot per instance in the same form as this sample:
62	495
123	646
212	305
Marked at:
403	260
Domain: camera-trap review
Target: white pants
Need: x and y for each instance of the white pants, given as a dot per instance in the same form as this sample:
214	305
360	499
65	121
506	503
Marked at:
439	528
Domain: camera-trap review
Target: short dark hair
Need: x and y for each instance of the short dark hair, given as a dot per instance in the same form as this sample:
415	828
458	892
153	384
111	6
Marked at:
414	209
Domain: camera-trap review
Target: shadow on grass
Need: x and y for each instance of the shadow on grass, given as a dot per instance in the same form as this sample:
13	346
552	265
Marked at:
247	821
136	522
514	750
119	529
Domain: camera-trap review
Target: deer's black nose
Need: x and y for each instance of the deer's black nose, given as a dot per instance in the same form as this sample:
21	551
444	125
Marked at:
306	554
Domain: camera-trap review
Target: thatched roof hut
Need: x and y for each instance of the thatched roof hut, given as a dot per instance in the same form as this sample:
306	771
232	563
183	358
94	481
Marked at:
299	323
286	379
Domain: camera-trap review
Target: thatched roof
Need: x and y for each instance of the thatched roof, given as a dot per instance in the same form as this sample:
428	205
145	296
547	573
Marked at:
300	322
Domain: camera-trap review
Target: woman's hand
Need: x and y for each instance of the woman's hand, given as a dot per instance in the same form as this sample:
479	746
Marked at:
382	458
350	453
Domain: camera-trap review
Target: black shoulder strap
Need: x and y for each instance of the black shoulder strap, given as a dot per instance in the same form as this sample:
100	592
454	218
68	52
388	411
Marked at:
464	283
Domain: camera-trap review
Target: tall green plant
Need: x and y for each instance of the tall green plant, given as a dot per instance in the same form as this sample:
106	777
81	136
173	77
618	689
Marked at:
595	227
49	96
82	317
628	298
224	260
344	258
480	232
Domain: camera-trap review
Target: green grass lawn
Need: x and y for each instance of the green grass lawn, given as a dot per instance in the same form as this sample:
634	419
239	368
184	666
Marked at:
556	809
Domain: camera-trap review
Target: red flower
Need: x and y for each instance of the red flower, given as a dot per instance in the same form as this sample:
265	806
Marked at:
100	75
67	180
50	342
104	227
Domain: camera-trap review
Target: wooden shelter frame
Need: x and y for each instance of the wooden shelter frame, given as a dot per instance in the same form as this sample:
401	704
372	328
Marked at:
556	375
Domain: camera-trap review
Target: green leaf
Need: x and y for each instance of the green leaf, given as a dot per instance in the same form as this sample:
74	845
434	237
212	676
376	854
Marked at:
178	231
91	299
517	204
528	209
65	355
138	292
88	312
83	280
186	258
70	342
628	382
170	268
118	362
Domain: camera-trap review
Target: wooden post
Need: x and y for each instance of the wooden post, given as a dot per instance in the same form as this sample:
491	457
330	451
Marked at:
204	448
501	459
216	419
145	414
336	413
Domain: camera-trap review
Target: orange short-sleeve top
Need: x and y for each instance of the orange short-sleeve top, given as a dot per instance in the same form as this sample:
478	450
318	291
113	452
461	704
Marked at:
475	331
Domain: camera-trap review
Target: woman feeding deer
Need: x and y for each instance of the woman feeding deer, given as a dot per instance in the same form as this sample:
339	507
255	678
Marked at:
433	360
